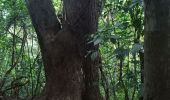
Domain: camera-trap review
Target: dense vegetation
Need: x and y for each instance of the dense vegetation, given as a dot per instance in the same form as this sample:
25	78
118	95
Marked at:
120	38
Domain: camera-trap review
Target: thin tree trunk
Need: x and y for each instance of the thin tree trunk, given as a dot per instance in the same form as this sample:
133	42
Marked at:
157	50
141	56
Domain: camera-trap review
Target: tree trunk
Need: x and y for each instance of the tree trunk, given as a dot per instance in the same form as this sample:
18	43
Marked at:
91	79
141	57
63	50
157	50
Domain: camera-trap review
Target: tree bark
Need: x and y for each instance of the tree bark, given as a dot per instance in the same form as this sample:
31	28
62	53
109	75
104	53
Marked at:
141	57
63	50
91	79
157	50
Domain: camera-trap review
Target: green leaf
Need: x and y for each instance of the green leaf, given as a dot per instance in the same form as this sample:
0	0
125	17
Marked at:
114	38
136	47
121	53
94	55
97	41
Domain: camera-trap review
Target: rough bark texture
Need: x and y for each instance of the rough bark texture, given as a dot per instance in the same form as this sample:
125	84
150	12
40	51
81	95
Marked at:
157	50
68	73
90	68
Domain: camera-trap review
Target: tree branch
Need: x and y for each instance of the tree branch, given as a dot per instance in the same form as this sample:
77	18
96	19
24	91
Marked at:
44	19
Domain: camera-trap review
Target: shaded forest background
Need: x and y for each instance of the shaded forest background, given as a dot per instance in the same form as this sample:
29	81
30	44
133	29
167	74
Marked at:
120	38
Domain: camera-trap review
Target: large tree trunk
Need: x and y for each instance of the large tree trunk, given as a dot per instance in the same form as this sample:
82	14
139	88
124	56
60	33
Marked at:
157	50
82	16
63	50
